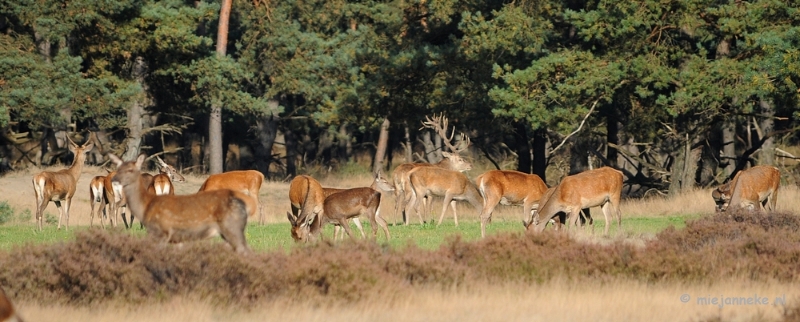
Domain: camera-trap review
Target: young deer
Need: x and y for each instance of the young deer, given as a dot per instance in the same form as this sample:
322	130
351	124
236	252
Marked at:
179	218
60	185
452	185
351	203
162	182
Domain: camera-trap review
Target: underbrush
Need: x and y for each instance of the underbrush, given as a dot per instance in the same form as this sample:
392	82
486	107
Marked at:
107	266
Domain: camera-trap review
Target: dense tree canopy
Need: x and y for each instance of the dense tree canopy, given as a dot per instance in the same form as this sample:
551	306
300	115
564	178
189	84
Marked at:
675	92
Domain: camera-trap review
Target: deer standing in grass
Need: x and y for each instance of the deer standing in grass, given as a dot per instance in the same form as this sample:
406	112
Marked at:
179	218
598	187
58	186
755	186
7	311
452	185
508	187
97	197
247	182
354	202
159	184
451	161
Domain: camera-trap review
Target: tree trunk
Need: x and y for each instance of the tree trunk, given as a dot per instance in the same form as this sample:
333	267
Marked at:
136	113
291	151
728	156
344	143
767	154
430	149
408	146
540	153
383	143
215	118
522	148
267	131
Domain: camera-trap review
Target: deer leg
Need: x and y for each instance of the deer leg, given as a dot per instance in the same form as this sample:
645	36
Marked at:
346	226
489	203
447	199
382	223
67	205
358	225
60	213
607	208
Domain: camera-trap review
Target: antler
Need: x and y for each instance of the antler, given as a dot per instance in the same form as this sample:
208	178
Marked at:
440	125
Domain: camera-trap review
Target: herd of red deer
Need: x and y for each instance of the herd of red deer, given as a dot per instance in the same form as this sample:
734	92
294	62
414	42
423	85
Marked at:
225	201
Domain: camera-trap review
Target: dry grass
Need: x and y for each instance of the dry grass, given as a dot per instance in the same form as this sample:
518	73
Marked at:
552	301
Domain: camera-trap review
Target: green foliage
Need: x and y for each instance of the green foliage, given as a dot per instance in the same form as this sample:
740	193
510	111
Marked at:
6	212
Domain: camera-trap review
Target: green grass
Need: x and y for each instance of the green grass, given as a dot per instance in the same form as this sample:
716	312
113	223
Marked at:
427	236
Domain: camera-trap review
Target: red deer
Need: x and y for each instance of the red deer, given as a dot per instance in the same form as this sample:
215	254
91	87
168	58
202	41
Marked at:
307	198
508	187
451	161
351	203
247	182
452	185
98	199
180	218
7	311
163	182
599	187
755	186
58	186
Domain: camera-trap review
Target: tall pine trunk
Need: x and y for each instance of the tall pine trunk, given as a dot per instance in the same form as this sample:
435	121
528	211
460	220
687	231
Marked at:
383	143
215	117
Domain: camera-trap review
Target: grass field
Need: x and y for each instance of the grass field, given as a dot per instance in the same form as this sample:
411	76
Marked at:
563	300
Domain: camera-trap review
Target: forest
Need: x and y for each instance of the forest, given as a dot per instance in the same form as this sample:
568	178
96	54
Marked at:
675	93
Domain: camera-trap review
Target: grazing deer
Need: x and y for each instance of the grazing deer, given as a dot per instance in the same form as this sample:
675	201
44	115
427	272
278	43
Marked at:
351	203
508	187
598	187
296	199
755	186
307	198
451	161
179	218
162	182
58	186
452	185
247	182
98	199
7	311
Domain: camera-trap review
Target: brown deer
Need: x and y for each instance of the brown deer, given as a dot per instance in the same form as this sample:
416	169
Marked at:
452	185
247	182
97	198
351	203
7	311
755	186
451	161
508	187
58	186
307	198
179	218
163	181
598	187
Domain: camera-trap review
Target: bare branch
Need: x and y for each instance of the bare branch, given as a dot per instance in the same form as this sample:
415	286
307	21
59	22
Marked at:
579	127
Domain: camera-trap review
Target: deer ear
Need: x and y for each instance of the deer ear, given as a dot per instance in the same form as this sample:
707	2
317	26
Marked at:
291	219
88	147
140	161
446	154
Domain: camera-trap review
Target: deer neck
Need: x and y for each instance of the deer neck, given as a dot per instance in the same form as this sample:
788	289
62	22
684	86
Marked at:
77	165
137	197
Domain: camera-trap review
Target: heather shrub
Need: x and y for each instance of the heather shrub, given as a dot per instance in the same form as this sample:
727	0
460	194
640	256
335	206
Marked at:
101	265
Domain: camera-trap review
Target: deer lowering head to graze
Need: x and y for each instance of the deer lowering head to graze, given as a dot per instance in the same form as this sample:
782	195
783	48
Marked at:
162	182
599	187
58	186
351	203
452	185
7	311
179	218
451	161
751	188
508	187
97	197
307	198
247	182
